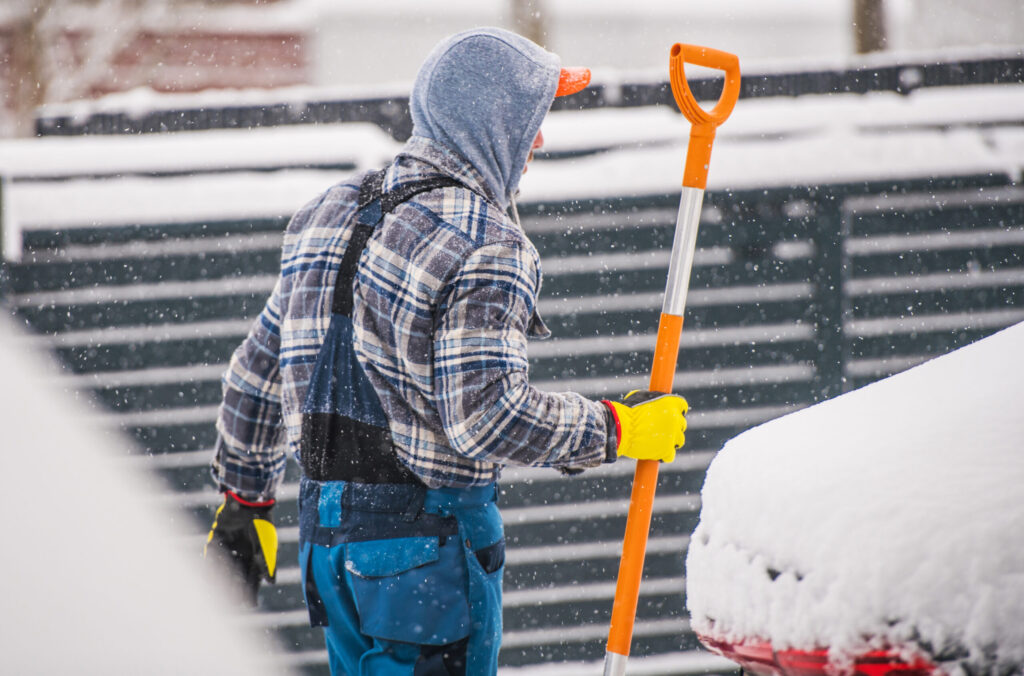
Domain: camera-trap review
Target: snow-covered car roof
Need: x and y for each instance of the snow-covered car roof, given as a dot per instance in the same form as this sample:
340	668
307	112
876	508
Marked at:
891	516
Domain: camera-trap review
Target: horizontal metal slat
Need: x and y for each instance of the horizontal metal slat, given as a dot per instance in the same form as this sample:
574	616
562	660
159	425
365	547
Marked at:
62	275
60	318
42	238
965	261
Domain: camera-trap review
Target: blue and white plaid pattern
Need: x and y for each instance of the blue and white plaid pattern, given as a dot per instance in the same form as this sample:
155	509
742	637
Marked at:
445	299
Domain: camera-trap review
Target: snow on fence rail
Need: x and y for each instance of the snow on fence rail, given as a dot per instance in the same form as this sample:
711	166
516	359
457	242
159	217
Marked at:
901	74
611	152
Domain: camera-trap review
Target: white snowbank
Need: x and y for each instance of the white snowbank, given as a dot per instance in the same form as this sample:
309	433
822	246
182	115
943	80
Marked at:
97	576
893	512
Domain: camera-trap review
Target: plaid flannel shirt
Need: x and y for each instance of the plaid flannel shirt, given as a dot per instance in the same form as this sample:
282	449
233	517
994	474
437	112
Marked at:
444	300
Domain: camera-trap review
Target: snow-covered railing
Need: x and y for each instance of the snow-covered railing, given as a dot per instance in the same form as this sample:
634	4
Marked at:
329	147
901	73
87	181
10	232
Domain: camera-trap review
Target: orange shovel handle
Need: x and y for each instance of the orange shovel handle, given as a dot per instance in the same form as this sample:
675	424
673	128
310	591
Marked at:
709	58
698	155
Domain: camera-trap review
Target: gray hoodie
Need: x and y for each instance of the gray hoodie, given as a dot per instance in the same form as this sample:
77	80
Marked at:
483	93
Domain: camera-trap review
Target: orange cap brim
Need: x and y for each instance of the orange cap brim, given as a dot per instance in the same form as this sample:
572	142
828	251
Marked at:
572	80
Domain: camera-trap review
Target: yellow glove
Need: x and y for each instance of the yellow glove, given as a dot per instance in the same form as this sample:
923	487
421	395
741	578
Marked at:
650	425
243	536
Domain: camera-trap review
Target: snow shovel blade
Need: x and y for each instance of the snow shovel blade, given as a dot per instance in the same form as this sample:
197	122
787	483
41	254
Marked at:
684	245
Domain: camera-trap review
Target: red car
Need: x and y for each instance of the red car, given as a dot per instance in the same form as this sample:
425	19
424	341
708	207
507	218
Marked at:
880	532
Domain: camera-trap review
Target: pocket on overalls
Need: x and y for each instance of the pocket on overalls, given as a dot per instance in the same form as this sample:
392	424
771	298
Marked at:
492	557
484	544
410	589
314	603
482	528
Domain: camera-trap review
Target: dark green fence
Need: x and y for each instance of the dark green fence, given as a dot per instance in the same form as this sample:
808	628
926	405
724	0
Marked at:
798	294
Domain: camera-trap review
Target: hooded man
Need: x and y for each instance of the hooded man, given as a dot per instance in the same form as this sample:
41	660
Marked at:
391	360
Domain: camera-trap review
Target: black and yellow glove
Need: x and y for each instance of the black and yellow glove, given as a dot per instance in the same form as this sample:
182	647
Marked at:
650	425
244	537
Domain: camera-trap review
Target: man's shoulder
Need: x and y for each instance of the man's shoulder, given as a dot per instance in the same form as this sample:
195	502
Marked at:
480	221
329	206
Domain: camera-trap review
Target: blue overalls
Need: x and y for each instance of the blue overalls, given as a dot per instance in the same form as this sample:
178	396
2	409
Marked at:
404	579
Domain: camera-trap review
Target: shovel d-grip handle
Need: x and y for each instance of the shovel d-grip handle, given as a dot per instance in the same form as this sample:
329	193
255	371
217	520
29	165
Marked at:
702	134
666	351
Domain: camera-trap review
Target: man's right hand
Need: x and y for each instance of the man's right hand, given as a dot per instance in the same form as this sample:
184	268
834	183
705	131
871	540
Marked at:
244	538
650	425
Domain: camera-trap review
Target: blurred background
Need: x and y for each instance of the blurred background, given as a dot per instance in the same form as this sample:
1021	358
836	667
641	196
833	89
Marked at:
864	213
59	51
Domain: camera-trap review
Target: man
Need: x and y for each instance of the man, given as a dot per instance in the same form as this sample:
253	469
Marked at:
391	358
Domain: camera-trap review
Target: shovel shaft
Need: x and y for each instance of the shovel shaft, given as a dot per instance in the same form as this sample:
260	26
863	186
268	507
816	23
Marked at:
677	286
645	477
684	246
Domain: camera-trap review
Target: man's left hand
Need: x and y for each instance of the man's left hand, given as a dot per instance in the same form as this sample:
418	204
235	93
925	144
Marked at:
243	536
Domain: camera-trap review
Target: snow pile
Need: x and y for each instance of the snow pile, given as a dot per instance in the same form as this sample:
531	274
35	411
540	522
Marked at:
98	574
891	514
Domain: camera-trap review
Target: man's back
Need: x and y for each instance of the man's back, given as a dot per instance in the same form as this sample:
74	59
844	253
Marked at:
413	318
443	300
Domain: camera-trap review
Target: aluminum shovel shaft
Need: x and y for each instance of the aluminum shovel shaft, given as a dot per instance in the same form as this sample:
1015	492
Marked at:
670	326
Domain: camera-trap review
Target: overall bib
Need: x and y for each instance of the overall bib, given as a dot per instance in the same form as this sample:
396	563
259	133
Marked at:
405	580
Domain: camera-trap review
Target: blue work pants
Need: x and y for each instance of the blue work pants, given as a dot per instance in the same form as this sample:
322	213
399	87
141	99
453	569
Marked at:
405	580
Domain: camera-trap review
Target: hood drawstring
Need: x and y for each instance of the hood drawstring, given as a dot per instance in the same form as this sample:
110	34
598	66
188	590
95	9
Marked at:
513	211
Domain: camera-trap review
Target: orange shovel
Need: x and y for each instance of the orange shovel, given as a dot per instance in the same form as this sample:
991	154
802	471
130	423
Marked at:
695	176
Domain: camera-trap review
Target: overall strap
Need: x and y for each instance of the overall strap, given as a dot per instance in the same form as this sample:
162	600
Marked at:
374	205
